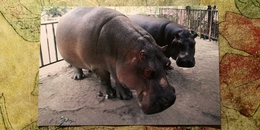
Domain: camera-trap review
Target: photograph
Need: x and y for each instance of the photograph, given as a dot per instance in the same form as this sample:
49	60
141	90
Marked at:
129	65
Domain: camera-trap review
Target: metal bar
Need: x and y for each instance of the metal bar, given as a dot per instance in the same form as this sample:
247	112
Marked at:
54	38
49	22
204	27
210	25
41	59
180	17
48	46
193	20
199	24
216	25
51	63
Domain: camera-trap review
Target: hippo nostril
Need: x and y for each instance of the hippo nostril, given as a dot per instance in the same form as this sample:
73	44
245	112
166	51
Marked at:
185	61
163	102
189	61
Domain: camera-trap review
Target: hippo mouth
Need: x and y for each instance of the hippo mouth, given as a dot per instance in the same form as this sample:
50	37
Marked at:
140	97
156	104
185	62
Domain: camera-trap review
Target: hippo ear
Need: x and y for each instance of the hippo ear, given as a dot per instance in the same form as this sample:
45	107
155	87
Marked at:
142	55
164	48
194	35
177	35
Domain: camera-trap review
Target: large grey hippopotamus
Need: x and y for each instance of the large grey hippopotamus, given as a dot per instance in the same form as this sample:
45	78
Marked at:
181	43
109	43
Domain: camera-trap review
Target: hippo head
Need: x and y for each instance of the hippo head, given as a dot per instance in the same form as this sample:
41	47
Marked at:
148	78
183	49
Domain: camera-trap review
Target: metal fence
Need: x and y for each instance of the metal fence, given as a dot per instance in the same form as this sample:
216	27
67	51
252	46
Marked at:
49	53
203	22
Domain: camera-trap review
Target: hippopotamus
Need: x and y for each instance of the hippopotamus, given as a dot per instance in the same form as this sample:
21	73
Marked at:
181	43
109	43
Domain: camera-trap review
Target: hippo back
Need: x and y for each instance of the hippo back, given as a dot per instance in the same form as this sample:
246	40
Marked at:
155	26
91	34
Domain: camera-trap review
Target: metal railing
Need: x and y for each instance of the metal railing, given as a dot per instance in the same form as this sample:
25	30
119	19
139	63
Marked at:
204	22
49	53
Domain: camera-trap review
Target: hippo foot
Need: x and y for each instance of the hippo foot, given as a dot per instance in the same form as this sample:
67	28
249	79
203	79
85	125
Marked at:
111	93
123	93
78	76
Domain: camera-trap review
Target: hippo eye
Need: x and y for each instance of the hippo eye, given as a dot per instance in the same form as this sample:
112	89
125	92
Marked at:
148	73
178	43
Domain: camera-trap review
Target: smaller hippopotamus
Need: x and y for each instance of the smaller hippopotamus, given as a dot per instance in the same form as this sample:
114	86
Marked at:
181	43
109	43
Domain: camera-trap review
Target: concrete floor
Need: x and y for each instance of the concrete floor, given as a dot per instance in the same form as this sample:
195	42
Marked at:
63	101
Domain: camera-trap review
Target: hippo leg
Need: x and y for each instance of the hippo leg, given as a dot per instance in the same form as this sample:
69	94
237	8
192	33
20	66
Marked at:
123	92
106	82
78	74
